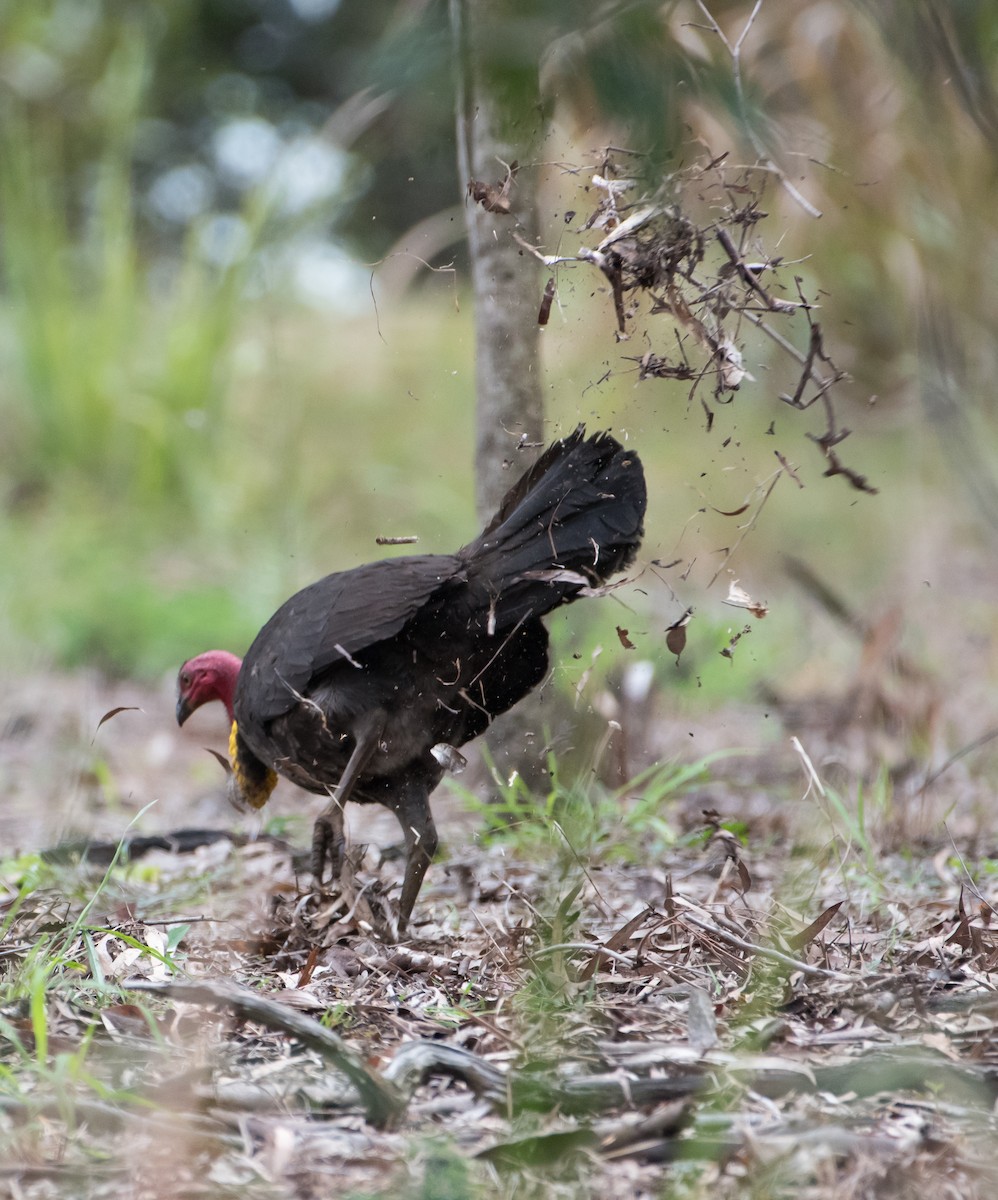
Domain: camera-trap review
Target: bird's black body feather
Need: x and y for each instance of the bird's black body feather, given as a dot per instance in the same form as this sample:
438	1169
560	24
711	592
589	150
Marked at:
383	662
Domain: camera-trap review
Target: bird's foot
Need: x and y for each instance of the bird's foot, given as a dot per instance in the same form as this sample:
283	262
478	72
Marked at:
328	847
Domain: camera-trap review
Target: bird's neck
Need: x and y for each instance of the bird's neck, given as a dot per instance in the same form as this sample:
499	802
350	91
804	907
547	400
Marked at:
227	672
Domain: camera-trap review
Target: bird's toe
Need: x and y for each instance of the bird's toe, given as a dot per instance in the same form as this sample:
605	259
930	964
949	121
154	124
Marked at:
327	849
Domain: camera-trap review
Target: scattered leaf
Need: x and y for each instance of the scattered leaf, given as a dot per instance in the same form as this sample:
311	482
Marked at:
222	760
785	464
728	651
538	1151
798	941
494	197
125	1020
737	597
675	636
113	712
544	315
450	759
617	941
730	365
701	1025
305	977
625	641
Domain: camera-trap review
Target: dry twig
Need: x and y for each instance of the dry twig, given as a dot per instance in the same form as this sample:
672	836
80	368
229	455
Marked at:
382	1101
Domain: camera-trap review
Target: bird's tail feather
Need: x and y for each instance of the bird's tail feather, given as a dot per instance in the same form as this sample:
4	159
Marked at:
578	512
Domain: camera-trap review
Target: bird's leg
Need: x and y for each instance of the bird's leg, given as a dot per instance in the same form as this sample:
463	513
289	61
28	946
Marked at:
412	807
327	833
333	850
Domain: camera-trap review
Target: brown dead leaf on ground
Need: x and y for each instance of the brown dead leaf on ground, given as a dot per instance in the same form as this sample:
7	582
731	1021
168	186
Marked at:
846	1055
772	1006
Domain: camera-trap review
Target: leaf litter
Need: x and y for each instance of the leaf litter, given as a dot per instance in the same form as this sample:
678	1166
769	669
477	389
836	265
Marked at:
734	1007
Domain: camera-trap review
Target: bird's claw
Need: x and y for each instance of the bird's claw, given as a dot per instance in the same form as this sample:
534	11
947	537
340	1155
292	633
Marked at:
327	847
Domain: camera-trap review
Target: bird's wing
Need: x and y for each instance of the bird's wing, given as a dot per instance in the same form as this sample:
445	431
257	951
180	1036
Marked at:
333	620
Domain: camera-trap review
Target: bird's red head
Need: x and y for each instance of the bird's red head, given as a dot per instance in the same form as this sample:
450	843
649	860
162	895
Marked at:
210	676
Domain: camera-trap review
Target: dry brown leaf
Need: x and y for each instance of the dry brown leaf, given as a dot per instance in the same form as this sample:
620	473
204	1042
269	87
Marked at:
113	712
223	762
616	942
738	597
798	941
494	197
675	635
544	314
675	640
729	649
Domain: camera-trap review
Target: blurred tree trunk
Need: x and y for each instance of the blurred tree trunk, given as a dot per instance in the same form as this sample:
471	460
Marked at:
498	115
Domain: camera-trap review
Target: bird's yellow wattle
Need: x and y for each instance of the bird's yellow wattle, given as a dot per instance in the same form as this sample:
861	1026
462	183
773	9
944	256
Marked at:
253	792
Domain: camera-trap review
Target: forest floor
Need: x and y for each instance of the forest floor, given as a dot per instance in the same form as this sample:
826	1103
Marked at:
746	974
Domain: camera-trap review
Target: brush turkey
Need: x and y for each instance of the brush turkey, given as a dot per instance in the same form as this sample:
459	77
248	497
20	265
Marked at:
358	687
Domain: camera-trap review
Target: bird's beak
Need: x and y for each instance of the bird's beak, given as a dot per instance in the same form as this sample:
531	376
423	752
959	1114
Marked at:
184	709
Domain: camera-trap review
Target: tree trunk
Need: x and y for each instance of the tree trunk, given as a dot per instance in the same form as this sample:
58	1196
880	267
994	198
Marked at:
498	117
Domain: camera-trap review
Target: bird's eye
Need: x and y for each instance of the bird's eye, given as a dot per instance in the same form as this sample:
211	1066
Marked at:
185	679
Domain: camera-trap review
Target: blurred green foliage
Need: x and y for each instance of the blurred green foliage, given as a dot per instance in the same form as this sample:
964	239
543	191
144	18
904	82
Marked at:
185	442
